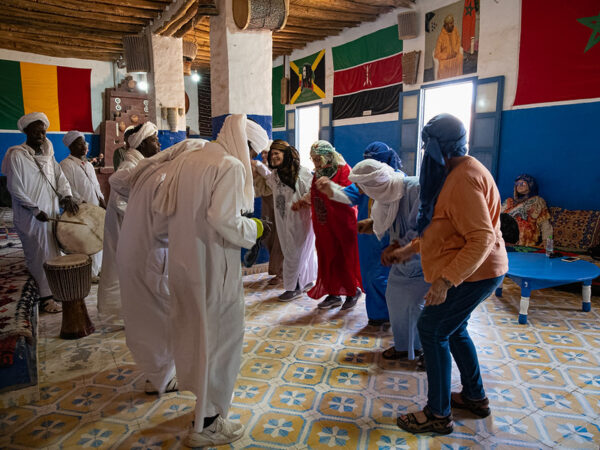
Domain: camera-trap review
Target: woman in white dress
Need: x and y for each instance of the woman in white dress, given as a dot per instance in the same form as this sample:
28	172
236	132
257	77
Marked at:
289	182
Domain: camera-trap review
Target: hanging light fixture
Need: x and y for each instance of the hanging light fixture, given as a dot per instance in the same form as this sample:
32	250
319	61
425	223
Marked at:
195	76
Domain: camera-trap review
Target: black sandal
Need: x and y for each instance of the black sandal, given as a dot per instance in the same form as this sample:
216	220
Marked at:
480	408
392	353
420	364
433	424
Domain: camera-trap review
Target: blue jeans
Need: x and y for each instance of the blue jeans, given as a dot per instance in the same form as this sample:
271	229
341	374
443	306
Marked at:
443	330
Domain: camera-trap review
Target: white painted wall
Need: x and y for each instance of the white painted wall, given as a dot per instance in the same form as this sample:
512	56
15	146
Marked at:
191	118
241	67
101	78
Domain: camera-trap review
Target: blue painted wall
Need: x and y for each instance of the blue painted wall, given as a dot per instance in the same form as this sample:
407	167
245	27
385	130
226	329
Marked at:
7	140
351	140
560	147
264	121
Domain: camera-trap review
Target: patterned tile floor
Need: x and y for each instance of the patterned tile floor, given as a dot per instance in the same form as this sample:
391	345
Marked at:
312	379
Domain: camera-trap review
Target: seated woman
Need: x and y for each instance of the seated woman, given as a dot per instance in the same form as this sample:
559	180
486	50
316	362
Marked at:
289	181
530	212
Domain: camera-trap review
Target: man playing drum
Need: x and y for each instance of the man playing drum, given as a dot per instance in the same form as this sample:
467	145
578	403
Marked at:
82	178
145	144
38	187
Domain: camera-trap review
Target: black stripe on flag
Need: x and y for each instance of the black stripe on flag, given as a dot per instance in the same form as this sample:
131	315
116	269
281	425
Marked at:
377	101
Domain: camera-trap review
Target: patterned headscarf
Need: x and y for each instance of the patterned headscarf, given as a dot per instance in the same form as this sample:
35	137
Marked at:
533	188
290	167
383	153
330	159
443	136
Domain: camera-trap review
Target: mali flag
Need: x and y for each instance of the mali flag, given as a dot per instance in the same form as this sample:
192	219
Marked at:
307	78
367	77
62	93
559	57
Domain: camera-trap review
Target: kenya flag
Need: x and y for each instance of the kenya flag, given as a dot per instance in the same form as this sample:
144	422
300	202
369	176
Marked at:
368	75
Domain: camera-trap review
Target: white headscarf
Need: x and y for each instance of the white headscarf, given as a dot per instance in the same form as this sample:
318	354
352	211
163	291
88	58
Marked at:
385	186
70	137
28	119
147	130
234	136
165	198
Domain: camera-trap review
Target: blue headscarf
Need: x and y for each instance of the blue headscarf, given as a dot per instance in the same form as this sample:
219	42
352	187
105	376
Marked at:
533	188
443	136
383	153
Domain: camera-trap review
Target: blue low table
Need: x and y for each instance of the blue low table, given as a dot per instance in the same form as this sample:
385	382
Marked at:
534	271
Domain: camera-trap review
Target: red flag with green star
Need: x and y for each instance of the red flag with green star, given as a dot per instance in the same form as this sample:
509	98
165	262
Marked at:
468	24
559	57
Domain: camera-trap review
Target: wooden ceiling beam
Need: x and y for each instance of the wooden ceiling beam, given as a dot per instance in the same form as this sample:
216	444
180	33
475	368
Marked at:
141	4
176	17
339	16
116	47
41	19
320	23
33	6
188	15
98	7
76	46
60	52
337	5
51	33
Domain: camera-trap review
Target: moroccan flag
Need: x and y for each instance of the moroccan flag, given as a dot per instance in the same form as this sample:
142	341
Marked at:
559	57
367	77
307	78
468	24
278	108
62	93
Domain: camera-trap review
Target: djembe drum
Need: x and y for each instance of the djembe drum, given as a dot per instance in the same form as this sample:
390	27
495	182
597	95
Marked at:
70	280
82	232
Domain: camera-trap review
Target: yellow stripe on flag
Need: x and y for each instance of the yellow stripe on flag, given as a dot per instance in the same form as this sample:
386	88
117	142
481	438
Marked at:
40	91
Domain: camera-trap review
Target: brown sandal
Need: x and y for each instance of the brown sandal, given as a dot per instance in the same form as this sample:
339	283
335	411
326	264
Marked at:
480	408
433	424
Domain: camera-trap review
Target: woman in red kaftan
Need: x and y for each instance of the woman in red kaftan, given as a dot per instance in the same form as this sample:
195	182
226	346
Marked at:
335	230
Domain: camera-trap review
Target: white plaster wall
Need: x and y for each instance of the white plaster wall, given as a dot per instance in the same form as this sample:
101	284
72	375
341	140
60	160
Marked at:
101	78
499	35
166	78
241	67
191	118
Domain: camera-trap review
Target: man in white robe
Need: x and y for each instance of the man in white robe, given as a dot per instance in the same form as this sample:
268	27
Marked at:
203	195
109	294
38	188
83	181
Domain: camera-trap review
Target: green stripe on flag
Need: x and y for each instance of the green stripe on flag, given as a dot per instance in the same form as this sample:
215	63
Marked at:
373	46
278	108
11	95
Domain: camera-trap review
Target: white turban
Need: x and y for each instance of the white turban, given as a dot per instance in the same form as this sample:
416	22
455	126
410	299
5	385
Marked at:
147	130
385	186
257	136
71	136
237	130
28	119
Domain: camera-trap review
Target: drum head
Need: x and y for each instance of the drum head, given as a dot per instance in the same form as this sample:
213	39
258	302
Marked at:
76	259
86	238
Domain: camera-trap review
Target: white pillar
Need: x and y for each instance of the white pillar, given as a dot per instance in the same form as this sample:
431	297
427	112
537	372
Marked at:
241	64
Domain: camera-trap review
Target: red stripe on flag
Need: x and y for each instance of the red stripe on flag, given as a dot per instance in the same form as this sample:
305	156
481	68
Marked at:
553	63
74	98
370	75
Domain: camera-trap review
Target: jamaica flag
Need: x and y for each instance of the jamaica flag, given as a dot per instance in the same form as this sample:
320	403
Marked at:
307	78
367	78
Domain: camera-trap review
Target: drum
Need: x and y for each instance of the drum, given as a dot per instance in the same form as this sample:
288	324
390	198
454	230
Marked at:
260	14
83	238
70	280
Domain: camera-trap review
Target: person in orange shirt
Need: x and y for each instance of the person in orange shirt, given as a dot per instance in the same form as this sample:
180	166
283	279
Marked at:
464	258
